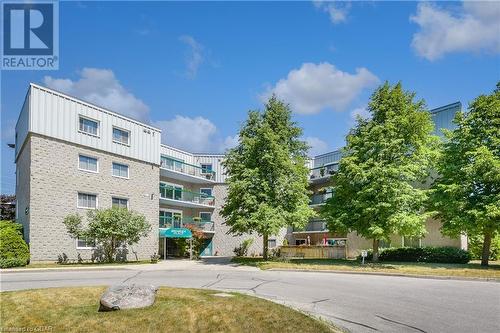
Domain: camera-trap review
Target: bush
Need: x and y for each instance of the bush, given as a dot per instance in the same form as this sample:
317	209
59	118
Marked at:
476	247
13	249
242	250
450	255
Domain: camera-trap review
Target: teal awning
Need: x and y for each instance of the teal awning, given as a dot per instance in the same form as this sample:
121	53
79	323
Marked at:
176	233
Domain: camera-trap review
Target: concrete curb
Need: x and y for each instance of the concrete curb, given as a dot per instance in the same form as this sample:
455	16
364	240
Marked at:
59	269
433	277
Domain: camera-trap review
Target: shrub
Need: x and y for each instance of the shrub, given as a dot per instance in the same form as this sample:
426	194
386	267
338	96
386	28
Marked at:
13	249
242	250
451	255
476	247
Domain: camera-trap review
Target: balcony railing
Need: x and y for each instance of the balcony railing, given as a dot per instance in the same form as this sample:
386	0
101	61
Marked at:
319	199
169	222
186	168
178	194
323	171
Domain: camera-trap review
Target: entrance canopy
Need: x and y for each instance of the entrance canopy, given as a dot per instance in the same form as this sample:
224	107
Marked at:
176	233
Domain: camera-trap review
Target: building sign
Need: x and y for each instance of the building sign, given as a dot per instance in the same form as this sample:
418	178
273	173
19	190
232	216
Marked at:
30	35
176	233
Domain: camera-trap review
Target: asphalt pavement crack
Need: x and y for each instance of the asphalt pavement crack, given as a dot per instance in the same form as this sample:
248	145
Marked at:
354	322
132	277
400	323
218	279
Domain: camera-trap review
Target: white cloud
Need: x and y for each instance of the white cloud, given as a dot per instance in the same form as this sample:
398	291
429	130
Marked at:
337	11
317	146
472	27
194	56
315	87
101	87
361	112
196	134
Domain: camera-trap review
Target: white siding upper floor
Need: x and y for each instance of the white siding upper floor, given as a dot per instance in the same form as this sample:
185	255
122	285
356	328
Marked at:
56	115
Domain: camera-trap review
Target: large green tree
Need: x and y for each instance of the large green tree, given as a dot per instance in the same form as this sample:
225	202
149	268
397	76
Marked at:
466	195
267	175
378	189
109	228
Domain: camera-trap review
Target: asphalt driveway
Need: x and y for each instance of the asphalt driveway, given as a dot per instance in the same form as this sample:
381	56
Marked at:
359	303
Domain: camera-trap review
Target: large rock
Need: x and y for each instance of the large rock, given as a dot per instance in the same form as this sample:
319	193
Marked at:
127	296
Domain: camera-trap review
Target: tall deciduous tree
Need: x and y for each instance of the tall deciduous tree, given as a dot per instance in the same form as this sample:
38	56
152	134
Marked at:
378	189
109	228
466	195
267	175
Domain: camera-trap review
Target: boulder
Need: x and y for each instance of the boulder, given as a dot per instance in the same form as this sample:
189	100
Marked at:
127	296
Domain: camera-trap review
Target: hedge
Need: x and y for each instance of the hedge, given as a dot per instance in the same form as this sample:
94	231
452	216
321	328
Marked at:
446	254
13	249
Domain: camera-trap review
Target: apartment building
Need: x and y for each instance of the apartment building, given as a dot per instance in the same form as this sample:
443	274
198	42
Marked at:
72	156
320	183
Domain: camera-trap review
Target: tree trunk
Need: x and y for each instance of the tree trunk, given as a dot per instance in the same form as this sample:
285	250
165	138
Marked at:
375	250
265	238
485	256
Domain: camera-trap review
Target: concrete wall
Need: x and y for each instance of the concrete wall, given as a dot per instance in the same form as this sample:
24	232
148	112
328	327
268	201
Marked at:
56	181
23	178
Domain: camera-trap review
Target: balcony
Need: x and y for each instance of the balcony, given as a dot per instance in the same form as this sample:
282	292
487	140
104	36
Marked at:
323	173
320	198
169	222
176	196
175	169
314	226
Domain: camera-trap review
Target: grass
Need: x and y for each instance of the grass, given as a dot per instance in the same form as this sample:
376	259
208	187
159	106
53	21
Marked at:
85	264
470	270
175	310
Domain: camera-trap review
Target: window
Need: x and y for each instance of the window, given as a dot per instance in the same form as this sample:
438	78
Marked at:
168	191
206	216
86	200
89	126
206	192
121	136
170	219
84	243
271	243
172	163
119	203
206	168
300	241
120	170
411	242
87	163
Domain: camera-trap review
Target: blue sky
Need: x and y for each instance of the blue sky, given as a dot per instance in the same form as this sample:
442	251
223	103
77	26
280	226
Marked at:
195	68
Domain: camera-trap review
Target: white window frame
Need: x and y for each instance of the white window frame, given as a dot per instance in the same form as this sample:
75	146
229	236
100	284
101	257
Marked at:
207	188
199	215
174	211
98	135
123	130
128	170
120	198
272	240
88	156
211	168
404	245
87	193
84	247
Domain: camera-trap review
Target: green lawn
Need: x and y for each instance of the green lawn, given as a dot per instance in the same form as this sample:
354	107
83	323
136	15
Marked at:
471	270
85	264
175	310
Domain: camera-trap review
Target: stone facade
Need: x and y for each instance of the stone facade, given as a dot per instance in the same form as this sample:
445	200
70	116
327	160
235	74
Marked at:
54	183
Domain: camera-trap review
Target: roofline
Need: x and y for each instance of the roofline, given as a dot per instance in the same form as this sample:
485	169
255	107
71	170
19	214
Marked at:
100	108
193	154
446	107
